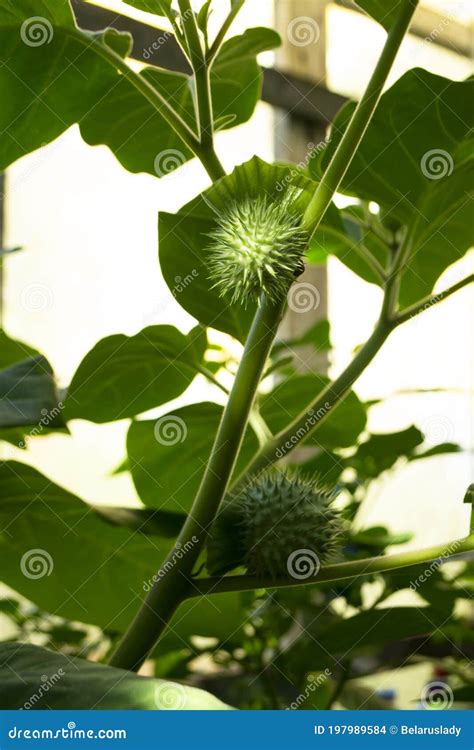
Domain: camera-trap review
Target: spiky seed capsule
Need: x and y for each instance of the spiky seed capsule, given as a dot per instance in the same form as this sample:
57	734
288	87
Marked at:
257	247
275	524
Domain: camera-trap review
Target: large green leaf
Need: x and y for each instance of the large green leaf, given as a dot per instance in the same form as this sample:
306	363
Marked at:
28	396
34	678
59	553
51	77
415	160
123	376
341	427
168	456
184	240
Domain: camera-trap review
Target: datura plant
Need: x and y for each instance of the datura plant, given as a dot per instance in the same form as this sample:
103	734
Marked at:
228	504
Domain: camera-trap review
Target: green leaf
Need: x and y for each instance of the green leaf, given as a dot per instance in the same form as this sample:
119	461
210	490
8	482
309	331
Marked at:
57	552
340	429
379	536
168	456
123	376
28	396
317	336
34	678
184	241
416	157
383	11
157	7
381	451
365	632
160	523
51	77
12	351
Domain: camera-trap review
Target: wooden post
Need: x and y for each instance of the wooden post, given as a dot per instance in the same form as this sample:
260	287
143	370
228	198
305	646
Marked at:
302	26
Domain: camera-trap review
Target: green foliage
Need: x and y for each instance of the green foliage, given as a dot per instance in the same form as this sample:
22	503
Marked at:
426	150
43	96
39	679
155	451
124	376
88	568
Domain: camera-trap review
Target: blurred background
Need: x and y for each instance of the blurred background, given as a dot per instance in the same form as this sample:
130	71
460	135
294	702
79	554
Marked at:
89	269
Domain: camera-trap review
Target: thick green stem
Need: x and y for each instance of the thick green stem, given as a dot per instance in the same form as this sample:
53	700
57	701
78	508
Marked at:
340	572
173	581
351	139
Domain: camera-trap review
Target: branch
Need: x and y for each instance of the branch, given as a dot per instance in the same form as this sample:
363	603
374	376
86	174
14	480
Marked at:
360	120
217	44
203	95
427	302
339	572
172	585
158	101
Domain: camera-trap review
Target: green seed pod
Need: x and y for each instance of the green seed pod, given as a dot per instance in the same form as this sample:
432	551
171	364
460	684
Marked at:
257	247
277	526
